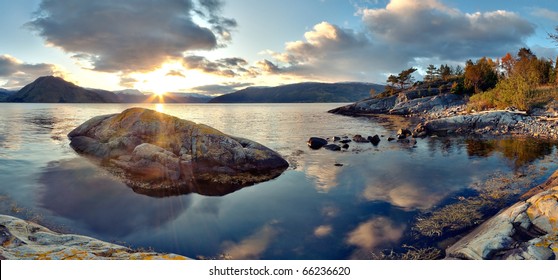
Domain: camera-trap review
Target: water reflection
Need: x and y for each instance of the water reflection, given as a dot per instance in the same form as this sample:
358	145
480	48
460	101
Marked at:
323	230
77	190
252	246
518	151
315	211
375	232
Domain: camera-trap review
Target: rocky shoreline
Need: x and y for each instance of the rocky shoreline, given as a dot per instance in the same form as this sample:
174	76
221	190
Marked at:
525	230
25	240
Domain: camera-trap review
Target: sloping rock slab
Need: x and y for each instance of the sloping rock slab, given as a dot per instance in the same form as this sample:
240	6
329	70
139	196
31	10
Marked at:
30	241
526	230
157	154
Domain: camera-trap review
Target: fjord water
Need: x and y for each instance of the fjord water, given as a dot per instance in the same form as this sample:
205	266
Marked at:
314	210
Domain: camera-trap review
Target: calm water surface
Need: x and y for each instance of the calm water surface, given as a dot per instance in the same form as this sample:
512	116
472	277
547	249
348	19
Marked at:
315	210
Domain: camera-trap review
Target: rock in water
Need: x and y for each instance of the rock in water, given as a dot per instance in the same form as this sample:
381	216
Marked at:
332	147
316	142
163	155
375	140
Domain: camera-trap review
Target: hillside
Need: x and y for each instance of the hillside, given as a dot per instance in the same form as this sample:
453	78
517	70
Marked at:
301	93
4	93
51	89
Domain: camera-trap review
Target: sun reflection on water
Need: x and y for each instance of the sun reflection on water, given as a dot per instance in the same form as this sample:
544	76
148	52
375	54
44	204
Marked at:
159	108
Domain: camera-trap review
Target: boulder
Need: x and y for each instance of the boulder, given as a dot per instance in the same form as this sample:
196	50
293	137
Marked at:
316	142
156	152
374	139
23	240
332	147
359	139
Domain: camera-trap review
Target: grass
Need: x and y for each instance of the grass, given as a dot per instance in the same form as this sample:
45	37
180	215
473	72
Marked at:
510	93
412	253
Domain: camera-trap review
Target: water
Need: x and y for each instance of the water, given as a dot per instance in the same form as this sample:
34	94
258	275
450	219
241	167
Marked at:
314	210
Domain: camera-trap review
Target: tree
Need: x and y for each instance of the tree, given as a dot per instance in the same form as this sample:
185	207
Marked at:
525	53
445	72
554	36
458	71
480	76
508	63
405	77
392	80
431	73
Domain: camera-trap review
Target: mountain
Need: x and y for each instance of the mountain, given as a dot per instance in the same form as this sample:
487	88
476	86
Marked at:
301	93
4	93
136	96
183	97
51	89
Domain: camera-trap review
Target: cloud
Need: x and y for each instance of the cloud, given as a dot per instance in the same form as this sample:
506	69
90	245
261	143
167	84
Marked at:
405	33
226	67
18	74
175	73
130	35
432	29
220	88
545	13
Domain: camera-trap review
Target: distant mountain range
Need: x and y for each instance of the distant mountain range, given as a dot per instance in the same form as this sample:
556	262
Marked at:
51	89
301	93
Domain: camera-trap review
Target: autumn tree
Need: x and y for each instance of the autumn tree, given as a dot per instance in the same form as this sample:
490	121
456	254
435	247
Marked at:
480	76
508	63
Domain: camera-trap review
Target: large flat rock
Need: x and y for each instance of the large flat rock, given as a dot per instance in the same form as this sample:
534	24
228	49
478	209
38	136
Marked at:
158	154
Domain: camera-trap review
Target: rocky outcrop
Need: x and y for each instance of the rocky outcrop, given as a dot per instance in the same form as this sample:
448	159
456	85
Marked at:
158	154
425	98
427	104
526	230
500	122
29	241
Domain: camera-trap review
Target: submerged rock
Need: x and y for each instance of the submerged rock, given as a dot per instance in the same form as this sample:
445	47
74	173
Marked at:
526	230
30	241
161	154
332	147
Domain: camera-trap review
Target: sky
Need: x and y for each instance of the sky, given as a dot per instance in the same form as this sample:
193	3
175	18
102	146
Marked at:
218	46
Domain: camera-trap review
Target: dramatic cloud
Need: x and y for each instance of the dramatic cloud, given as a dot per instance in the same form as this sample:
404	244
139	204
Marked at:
404	33
130	35
431	29
220	88
16	73
227	67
